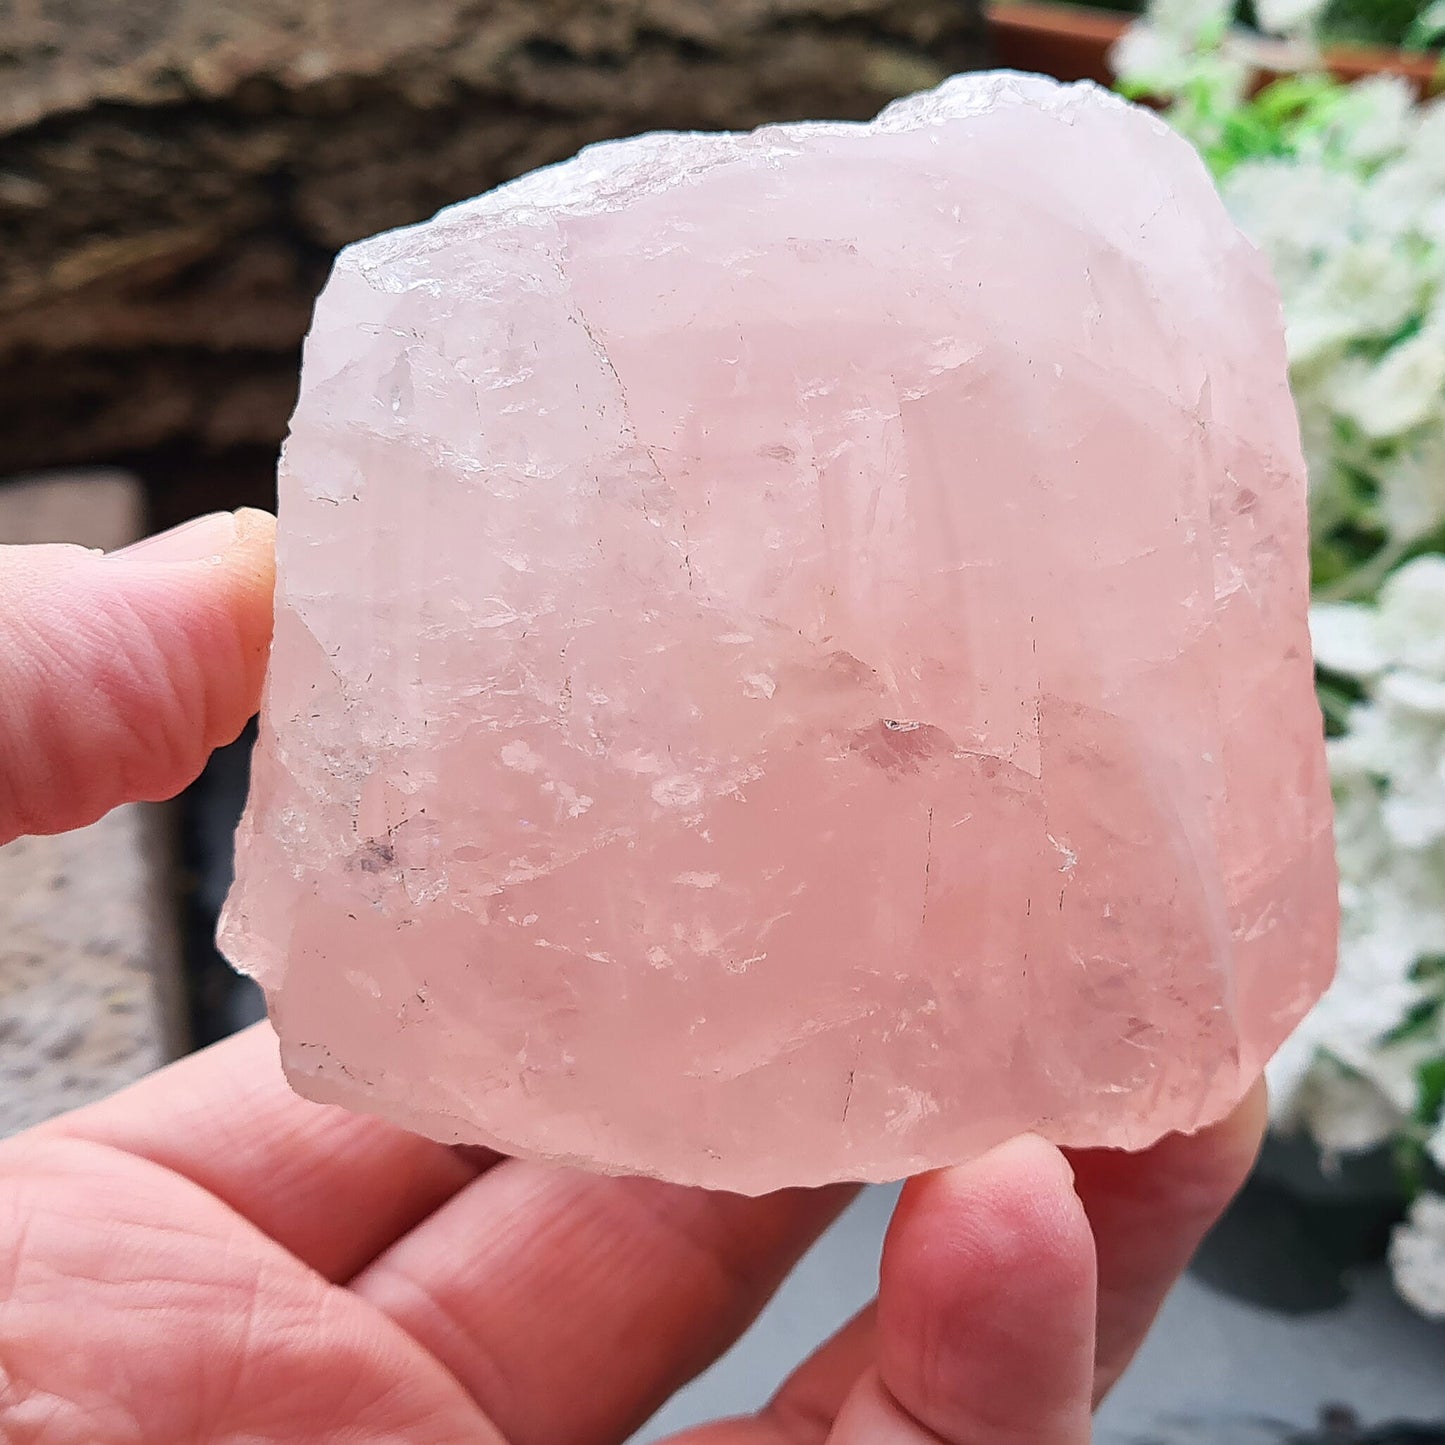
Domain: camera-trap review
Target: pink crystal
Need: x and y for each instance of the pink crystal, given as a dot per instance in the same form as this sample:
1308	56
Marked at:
791	659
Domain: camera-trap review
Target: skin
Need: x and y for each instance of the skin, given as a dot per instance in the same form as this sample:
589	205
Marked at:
207	1257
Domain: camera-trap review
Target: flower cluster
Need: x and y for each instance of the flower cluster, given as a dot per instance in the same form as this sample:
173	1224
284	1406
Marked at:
1366	1066
1343	188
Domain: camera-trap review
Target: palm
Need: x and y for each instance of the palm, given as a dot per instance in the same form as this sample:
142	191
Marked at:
207	1257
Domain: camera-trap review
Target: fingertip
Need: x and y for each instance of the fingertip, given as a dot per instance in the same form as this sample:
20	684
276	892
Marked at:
246	608
255	547
1242	1132
986	1300
120	673
1002	1221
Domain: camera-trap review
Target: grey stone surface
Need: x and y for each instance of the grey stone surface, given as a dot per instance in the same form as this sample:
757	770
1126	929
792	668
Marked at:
1215	1371
836	1279
94	507
1214	1359
89	962
88	988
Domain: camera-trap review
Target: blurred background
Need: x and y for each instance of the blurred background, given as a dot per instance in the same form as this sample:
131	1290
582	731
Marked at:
175	178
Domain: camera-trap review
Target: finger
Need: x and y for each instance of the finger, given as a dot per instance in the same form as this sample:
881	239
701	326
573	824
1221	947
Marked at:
119	673
573	1306
1149	1212
804	1409
333	1188
985	1330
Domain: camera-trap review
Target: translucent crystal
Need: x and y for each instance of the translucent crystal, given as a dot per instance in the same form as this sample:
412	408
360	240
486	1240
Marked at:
790	655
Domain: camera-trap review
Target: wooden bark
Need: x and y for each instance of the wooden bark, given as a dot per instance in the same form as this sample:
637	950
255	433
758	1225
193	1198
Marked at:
175	175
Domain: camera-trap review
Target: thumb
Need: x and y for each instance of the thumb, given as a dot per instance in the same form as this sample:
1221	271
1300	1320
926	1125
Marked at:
120	672
986	1306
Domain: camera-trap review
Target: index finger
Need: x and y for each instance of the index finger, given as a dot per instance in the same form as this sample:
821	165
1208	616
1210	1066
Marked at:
1149	1211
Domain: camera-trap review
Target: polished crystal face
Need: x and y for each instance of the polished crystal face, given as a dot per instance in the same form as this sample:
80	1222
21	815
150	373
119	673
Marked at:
791	659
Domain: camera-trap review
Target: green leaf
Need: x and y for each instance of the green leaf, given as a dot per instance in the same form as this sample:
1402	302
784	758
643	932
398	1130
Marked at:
1372	22
1429	968
1420	1022
1430	1081
1338	697
1411	1163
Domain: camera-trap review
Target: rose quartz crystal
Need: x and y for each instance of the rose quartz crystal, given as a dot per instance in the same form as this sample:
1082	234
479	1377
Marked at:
790	656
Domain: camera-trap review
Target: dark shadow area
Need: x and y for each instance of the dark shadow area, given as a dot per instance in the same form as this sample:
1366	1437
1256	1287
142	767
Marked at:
1283	1252
221	1000
1336	1427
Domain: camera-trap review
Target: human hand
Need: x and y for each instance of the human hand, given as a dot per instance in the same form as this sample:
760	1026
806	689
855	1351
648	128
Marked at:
207	1257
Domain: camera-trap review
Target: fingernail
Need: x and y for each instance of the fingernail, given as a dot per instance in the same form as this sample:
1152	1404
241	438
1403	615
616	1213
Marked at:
199	540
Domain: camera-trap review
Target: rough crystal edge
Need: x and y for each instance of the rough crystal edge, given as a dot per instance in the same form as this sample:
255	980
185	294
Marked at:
427	1123
616	170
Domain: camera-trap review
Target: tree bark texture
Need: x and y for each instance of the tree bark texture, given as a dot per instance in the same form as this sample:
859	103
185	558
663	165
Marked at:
175	175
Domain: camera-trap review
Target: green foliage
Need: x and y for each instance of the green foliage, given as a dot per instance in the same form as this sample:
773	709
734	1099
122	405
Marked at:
1406	24
1371	22
1342	186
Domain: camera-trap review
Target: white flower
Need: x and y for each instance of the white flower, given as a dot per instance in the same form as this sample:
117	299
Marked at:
1373	990
1425	146
1295	211
1346	638
1333	499
1293	1063
1415	692
1400	391
1435	1147
1371	286
1161	55
1430	224
1414	809
1412	486
1395	1072
1362	844
1416	819
1347	1104
1345	1112
1191	19
1417	1256
1415	888
1412	615
1382	744
1351	217
1398	199
1280	17
1313	331
1341	1078
1429	25
1150	54
1375	120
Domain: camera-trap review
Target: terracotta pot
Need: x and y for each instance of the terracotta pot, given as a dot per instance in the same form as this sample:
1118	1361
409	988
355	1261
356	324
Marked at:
1072	42
1068	42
